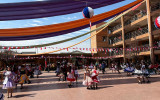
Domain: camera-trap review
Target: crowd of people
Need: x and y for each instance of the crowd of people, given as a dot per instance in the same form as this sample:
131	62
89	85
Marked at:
67	71
18	75
142	70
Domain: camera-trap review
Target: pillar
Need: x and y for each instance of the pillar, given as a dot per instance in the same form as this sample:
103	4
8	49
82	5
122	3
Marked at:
150	31
123	39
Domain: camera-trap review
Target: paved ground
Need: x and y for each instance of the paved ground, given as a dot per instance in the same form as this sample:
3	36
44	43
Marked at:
112	87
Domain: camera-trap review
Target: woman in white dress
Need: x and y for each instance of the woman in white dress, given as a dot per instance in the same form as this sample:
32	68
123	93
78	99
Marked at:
138	73
8	82
87	79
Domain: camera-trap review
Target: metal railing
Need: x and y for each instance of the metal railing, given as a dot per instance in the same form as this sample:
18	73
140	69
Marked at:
157	45
115	27
115	39
116	52
155	7
138	32
136	50
135	17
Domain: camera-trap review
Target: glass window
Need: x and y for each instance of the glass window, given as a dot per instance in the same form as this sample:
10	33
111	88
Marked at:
104	38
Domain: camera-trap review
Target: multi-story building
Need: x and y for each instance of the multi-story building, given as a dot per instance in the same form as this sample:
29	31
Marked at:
133	36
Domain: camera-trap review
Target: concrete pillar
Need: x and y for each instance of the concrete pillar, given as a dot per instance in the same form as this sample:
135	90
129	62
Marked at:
150	31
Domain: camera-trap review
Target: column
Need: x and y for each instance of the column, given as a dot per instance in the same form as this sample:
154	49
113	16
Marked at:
150	31
123	39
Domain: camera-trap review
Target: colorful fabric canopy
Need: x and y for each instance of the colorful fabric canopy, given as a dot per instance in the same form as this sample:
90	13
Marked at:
100	28
30	10
59	29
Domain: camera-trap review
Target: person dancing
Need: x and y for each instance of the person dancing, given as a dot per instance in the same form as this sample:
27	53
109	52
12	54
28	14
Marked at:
71	77
87	79
8	82
95	77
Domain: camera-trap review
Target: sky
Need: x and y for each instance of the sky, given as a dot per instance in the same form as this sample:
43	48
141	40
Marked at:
49	21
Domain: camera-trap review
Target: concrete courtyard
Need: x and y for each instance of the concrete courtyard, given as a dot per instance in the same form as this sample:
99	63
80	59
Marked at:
113	86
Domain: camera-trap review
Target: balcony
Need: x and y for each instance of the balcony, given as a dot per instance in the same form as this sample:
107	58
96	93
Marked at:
137	16
132	35
155	7
115	39
116	53
115	29
139	50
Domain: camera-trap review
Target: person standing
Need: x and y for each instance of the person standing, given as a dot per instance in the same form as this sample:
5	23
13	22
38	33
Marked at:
37	71
65	72
76	74
118	67
23	77
61	74
145	73
95	77
71	77
103	67
8	82
58	68
87	79
138	73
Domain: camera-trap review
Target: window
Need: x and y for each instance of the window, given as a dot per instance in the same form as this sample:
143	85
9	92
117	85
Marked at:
104	38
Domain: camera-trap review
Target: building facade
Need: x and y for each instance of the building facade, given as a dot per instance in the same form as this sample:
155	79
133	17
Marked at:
131	37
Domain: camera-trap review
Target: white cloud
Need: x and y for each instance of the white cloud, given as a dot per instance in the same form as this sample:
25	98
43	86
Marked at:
37	21
70	18
35	25
54	23
45	18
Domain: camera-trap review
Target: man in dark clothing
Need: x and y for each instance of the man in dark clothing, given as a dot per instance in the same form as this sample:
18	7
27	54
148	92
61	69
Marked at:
103	67
65	72
118	67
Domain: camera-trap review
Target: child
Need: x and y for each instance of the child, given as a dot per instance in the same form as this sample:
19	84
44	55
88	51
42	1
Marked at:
23	77
87	79
138	73
95	77
113	68
145	74
71	77
37	71
8	82
76	74
129	70
61	74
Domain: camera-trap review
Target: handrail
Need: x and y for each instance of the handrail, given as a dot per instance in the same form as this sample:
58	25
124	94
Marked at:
115	39
155	7
135	17
138	32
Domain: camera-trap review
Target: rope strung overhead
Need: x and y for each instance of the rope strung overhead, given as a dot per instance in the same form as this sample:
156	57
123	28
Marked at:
102	27
59	29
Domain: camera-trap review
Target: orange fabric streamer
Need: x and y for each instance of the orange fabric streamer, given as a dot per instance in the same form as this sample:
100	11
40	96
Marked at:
62	26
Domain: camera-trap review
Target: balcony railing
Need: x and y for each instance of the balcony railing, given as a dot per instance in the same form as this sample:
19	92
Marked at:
136	50
138	32
157	45
155	7
116	52
115	39
135	17
115	27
